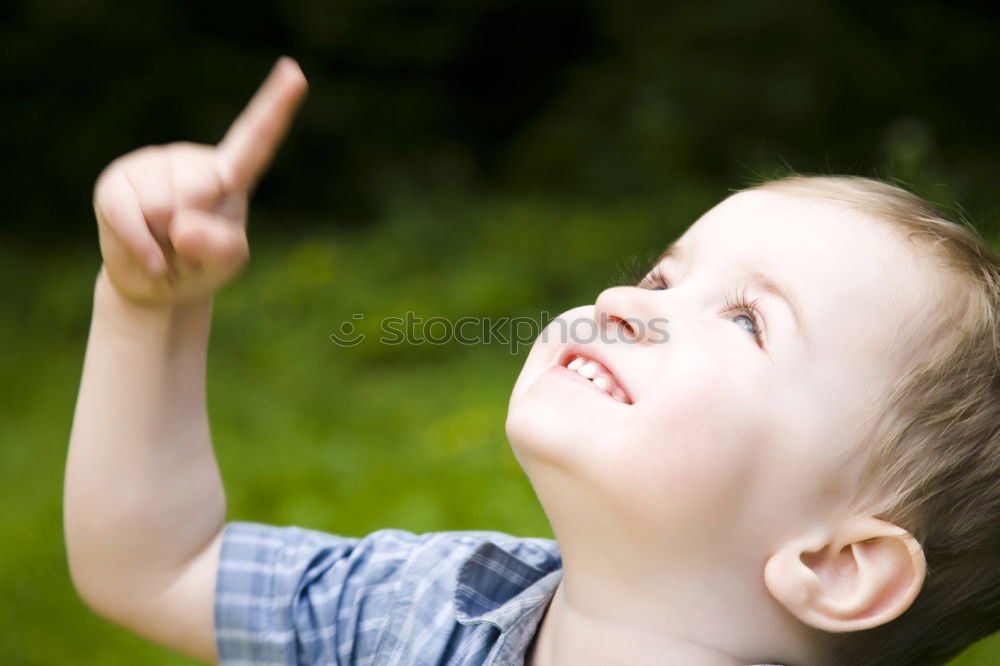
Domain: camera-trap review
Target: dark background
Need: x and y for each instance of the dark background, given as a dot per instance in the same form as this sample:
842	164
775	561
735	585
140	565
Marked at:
485	158
590	99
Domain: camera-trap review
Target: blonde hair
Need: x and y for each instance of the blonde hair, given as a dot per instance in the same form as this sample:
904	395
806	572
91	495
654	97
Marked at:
933	463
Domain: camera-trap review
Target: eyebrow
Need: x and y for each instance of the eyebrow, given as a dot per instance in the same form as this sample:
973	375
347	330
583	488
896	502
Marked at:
767	283
759	278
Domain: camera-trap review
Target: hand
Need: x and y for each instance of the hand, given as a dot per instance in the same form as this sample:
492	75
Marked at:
172	219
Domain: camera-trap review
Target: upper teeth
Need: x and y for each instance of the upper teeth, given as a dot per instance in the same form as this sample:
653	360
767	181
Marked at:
600	375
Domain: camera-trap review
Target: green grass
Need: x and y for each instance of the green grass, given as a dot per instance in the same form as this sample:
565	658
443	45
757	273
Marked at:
347	440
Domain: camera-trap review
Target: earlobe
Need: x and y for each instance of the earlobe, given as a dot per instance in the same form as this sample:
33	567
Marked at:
861	575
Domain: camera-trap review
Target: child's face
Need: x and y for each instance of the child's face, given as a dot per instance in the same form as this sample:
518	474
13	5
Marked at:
721	441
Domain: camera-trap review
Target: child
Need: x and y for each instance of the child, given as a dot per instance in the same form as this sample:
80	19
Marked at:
804	471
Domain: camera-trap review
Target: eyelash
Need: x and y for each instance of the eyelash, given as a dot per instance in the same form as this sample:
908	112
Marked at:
735	301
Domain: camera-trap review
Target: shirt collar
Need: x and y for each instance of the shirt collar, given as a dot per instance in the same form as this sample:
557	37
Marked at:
496	587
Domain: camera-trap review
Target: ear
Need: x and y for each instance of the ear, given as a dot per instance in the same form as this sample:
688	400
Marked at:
861	575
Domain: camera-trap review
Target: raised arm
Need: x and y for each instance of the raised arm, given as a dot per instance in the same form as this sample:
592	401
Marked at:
144	505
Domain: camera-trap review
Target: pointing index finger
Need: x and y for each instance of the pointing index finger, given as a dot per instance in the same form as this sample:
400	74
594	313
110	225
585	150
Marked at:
253	138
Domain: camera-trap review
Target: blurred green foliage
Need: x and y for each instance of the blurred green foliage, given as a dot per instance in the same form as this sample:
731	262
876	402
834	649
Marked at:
454	158
309	433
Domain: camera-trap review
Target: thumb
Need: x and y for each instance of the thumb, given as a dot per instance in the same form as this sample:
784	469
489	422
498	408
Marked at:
210	246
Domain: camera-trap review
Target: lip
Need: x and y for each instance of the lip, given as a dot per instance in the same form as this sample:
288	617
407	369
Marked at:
572	351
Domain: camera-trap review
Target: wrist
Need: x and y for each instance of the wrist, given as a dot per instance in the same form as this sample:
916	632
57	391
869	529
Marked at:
141	318
107	291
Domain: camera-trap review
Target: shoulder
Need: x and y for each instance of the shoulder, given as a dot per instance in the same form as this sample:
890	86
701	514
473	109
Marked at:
344	597
252	546
534	552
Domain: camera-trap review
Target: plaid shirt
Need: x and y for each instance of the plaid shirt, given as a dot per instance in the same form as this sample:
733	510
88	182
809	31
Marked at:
286	595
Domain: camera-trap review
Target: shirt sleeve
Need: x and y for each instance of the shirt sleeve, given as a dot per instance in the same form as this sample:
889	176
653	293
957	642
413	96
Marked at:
287	595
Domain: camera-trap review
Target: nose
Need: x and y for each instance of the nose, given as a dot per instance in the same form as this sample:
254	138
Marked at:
636	314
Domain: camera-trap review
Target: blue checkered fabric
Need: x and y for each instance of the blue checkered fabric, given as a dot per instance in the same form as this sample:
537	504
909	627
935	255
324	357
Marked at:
286	595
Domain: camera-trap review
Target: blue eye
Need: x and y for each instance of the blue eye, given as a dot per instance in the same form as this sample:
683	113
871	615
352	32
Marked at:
748	313
750	326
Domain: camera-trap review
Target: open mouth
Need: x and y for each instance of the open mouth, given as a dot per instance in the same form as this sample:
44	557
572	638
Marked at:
597	374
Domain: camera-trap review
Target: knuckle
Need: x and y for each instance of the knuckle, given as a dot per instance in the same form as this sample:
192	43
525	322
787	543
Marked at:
240	254
146	180
198	194
100	189
150	157
157	211
237	250
102	184
181	146
188	150
106	198
143	153
131	158
194	175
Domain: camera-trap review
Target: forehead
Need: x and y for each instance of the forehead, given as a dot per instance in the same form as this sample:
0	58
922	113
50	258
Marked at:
777	226
856	280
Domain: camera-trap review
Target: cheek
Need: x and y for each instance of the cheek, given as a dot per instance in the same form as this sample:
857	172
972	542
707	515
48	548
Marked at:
691	449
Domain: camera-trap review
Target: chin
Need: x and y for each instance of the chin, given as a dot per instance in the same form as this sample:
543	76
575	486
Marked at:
534	435
530	431
553	433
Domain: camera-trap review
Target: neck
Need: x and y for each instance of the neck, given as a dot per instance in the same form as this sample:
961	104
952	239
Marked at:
634	594
570	634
